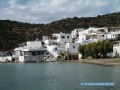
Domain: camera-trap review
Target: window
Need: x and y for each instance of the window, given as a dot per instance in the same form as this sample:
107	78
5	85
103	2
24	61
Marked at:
47	53
41	52
67	36
34	53
26	53
73	47
54	38
77	35
62	36
55	49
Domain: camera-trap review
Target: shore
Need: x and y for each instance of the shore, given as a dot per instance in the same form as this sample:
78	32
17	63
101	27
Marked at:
106	62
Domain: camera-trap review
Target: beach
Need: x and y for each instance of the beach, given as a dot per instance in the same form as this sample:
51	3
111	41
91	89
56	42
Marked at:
106	62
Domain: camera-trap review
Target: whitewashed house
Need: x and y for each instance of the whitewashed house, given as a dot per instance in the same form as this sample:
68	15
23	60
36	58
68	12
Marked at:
53	50
112	36
34	44
62	42
116	50
56	44
85	36
59	38
33	55
18	51
29	44
45	38
32	52
91	35
72	47
62	38
75	32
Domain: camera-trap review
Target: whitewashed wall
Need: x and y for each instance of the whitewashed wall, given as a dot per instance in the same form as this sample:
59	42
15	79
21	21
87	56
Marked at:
34	44
63	40
72	47
116	50
31	58
111	36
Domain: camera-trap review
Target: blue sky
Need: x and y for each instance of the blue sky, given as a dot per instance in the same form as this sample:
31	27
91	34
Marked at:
45	11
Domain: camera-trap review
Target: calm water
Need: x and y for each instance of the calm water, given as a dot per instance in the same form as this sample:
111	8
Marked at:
57	76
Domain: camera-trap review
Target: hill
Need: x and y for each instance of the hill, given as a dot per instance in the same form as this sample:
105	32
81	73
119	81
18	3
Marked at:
13	32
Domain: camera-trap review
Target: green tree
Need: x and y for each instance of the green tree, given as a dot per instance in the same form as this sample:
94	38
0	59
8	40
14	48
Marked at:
81	50
98	49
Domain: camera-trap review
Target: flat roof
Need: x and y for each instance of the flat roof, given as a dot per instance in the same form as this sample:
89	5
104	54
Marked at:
32	49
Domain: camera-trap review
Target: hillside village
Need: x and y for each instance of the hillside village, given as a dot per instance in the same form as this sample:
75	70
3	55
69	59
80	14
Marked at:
13	33
65	45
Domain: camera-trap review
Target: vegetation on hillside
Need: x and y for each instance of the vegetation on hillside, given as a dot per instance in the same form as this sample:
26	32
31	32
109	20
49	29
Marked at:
12	32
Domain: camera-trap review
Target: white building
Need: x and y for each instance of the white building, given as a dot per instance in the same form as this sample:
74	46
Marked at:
34	44
116	50
62	38
33	51
112	36
55	50
18	51
45	38
91	35
62	42
59	38
56	44
72	47
29	44
75	32
33	55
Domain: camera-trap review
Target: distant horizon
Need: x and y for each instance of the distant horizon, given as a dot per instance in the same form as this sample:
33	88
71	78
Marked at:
55	20
47	11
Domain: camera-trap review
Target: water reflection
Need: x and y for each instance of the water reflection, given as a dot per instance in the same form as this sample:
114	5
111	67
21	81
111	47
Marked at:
56	76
